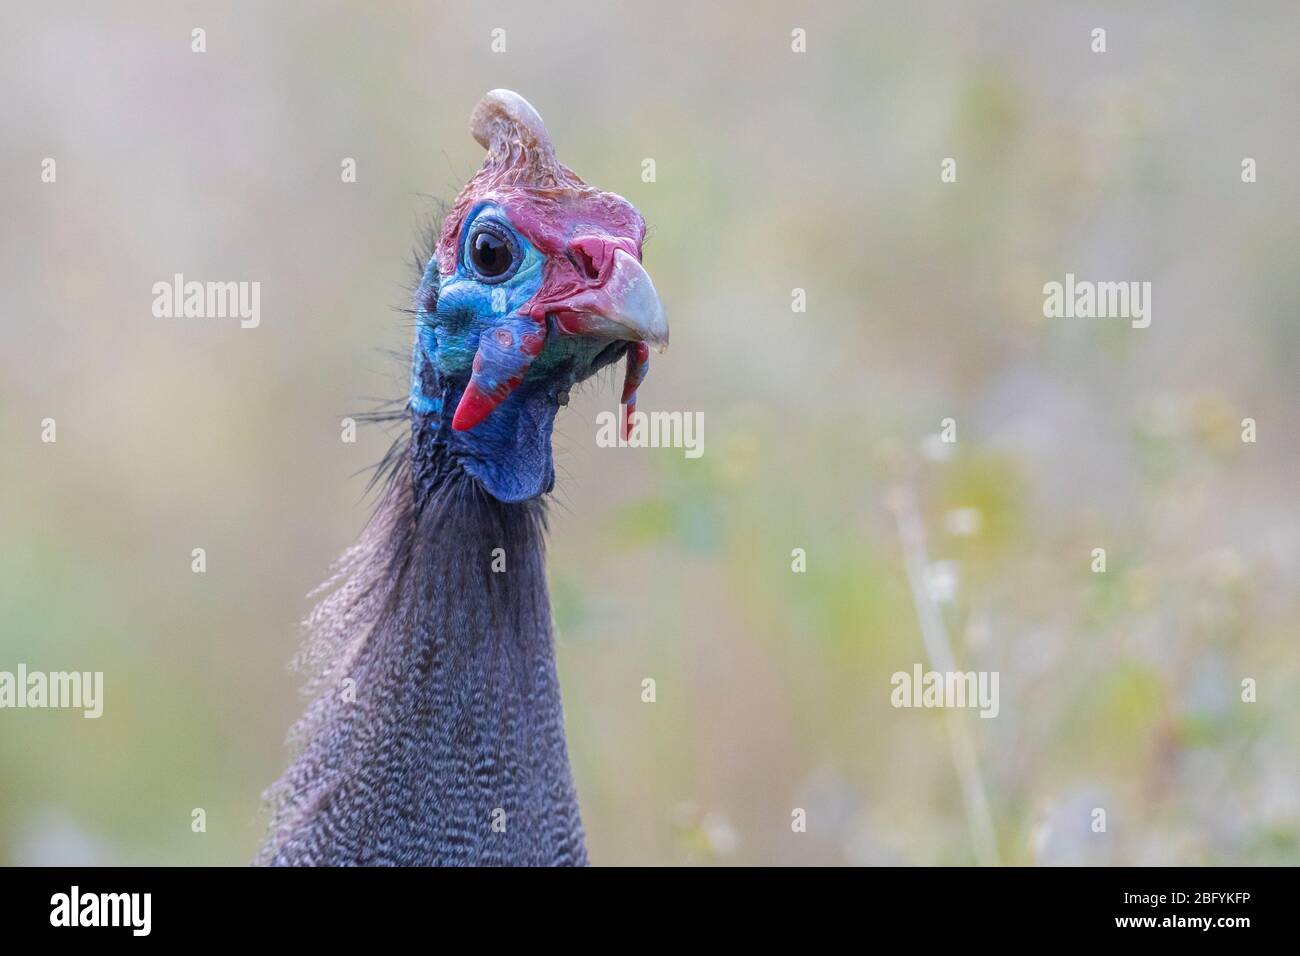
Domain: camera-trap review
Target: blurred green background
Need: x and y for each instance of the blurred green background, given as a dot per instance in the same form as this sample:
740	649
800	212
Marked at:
775	171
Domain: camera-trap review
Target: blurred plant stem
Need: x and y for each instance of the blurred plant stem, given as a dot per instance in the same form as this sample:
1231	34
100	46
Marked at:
938	648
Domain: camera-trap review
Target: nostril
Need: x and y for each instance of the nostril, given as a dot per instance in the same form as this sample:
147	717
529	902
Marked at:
589	255
588	265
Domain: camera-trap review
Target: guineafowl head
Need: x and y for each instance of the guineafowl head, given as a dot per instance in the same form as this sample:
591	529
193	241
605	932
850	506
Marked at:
535	284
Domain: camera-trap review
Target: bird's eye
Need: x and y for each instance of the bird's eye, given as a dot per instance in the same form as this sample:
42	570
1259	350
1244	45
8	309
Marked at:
491	254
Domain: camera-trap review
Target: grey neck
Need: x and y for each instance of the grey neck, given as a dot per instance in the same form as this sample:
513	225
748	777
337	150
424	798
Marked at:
436	732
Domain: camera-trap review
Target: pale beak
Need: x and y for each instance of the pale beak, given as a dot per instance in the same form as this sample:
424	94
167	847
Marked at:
623	307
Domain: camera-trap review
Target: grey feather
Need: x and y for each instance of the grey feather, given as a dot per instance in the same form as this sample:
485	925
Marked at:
453	751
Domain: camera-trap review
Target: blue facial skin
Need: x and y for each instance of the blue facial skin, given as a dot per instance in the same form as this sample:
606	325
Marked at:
509	452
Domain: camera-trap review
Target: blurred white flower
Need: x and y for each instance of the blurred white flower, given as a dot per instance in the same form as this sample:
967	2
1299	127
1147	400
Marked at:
963	522
941	581
719	833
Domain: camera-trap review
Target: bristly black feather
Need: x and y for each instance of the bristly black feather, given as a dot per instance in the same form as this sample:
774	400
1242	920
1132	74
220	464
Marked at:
427	240
394	411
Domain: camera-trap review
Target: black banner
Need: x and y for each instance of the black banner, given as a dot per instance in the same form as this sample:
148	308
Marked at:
209	905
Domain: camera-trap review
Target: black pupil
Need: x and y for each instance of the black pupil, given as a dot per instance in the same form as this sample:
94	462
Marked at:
490	254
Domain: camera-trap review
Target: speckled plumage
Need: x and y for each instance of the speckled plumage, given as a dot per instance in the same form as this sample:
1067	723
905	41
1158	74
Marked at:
457	710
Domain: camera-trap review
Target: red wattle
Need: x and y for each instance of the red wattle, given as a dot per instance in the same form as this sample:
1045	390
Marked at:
474	406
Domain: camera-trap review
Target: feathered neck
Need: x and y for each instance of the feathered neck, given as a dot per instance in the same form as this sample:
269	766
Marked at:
435	734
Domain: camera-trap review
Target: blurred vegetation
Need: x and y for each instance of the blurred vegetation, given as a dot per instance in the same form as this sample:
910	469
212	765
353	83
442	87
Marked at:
774	171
